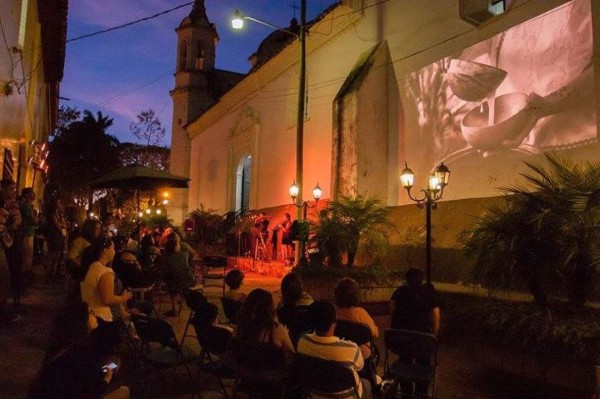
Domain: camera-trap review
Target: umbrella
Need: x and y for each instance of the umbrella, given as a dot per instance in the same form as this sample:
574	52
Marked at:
137	177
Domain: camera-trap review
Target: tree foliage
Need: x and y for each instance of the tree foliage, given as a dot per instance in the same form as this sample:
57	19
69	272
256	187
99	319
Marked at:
350	223
150	156
148	128
82	152
546	236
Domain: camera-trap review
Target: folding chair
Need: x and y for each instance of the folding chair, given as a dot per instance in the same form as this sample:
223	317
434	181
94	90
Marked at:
231	307
214	269
360	334
159	345
261	369
323	378
416	361
215	343
196	301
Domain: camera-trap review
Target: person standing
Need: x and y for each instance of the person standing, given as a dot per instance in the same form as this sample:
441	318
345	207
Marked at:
56	237
8	192
28	226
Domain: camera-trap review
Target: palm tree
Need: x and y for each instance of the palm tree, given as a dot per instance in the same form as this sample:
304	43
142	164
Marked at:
352	222
547	235
101	122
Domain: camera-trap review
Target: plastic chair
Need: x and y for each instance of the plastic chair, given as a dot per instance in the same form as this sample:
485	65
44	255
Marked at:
323	378
231	307
416	358
261	369
297	320
160	348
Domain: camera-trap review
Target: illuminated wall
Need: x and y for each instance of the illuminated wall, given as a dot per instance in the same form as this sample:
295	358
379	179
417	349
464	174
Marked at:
485	109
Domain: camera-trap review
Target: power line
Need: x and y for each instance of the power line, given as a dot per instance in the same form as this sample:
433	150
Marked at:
130	23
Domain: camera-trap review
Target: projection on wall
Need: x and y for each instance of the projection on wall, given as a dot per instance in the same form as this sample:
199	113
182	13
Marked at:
524	91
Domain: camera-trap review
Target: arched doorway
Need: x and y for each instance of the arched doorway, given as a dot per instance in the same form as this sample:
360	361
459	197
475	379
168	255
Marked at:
242	187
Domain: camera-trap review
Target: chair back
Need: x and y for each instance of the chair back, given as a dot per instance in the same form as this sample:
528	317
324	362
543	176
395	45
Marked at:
214	261
411	345
151	330
297	320
215	340
231	307
259	366
195	300
358	333
324	378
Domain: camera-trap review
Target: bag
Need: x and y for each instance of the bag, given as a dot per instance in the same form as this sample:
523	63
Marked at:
6	240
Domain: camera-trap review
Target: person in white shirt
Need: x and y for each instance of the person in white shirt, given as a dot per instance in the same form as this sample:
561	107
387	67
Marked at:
325	345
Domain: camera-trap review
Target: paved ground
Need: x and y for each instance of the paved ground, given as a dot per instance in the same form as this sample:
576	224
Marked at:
22	344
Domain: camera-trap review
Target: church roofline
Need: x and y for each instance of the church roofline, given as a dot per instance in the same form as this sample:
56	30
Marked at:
274	67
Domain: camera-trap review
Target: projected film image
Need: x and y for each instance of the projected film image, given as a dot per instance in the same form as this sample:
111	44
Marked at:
526	90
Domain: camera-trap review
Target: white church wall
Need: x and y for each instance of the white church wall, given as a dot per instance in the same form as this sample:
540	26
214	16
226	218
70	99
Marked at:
423	35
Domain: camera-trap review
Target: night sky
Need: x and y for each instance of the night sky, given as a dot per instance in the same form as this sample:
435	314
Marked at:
122	72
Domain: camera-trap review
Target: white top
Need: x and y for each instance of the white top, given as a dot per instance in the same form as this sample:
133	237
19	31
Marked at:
90	292
333	348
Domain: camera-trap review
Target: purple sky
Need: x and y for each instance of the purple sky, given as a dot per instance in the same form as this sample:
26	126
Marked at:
120	73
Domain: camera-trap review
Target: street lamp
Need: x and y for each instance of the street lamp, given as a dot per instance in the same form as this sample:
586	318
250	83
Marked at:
237	22
438	180
303	207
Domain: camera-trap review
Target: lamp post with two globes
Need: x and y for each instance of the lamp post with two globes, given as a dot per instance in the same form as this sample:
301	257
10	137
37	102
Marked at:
303	206
438	180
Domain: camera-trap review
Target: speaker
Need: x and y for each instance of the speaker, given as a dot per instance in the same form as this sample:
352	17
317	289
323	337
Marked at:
476	12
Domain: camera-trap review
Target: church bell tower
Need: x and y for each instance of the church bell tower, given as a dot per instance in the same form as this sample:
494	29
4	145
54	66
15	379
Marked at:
196	43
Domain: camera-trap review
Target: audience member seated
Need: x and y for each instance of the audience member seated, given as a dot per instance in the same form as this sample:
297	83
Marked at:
76	365
414	307
129	270
90	229
292	291
148	254
234	280
209	317
256	322
132	242
98	287
346	301
292	311
325	345
178	275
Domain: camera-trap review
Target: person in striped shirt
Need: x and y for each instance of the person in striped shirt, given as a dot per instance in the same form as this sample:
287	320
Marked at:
325	345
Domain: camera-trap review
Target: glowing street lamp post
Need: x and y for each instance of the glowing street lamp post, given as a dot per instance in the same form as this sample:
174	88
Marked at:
238	23
431	195
303	207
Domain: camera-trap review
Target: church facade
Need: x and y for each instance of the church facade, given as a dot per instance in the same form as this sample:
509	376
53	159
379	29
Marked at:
481	86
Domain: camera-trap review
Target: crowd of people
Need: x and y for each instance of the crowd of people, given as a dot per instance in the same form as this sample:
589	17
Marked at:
301	324
104	267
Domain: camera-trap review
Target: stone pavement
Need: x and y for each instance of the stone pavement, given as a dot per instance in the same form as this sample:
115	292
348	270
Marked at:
22	346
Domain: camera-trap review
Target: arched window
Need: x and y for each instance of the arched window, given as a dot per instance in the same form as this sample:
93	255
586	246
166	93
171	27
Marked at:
242	189
183	56
199	63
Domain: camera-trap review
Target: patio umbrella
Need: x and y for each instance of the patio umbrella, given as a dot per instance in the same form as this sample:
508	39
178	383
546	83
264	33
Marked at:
137	177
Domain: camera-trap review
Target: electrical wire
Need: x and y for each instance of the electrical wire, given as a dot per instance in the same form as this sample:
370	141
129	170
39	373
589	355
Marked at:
129	23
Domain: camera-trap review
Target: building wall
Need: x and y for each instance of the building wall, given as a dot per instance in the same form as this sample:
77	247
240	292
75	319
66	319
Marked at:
550	56
26	106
